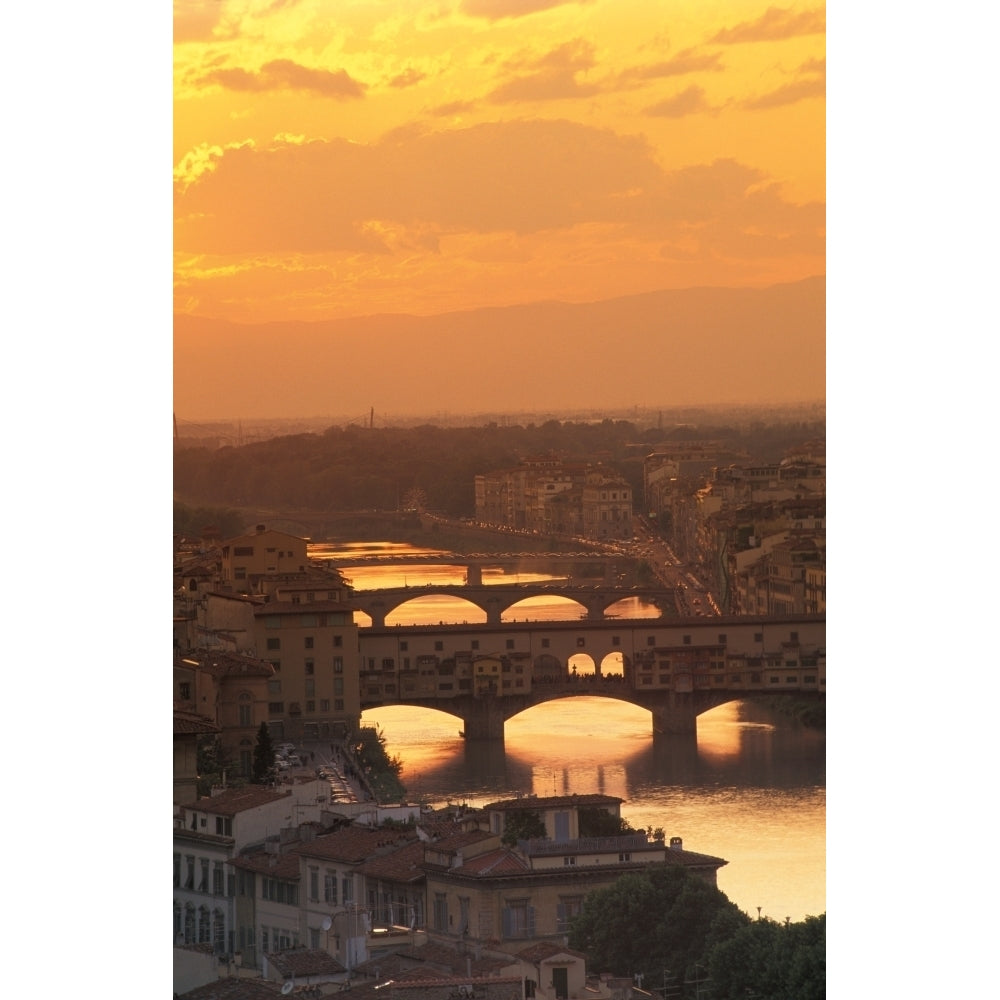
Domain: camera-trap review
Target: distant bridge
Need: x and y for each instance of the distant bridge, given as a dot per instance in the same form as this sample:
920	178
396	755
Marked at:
494	599
676	669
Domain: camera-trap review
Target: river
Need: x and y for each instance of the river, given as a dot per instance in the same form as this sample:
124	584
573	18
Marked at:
752	789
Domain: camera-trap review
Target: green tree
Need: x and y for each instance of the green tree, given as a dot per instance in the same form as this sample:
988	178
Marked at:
522	824
771	960
263	757
663	917
213	764
380	769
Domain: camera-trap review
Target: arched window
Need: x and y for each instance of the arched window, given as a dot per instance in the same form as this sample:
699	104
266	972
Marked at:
245	701
204	927
190	932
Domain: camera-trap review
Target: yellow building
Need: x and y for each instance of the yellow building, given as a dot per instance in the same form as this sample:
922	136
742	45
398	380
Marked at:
260	553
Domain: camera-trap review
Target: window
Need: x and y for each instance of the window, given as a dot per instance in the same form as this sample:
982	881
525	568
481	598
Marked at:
338	640
580	642
310	688
570	861
439	646
338	704
439	913
274	687
625	856
475	643
224	826
388	663
650	640
545	643
272	621
687	640
276	708
404	646
347	888
314	884
722	638
203	881
218	879
510	643
758	637
277	666
185	691
567	908
177	871
189	878
324	704
518	919
310	667
338	685
273	642
310	705
330	889
338	664
243	550
246	709
463	914
793	636
616	640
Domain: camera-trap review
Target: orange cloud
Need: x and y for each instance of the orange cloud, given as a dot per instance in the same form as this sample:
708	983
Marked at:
688	61
775	25
284	74
687	102
496	10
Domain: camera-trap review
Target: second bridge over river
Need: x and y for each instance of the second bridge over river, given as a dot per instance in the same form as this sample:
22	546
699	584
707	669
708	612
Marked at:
495	599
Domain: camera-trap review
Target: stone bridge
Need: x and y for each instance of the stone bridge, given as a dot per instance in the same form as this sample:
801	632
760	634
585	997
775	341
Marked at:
494	599
676	669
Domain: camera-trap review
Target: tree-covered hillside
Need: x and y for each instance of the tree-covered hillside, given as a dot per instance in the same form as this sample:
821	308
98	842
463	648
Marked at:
358	468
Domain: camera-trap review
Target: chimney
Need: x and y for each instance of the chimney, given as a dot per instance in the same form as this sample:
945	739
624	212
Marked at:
676	844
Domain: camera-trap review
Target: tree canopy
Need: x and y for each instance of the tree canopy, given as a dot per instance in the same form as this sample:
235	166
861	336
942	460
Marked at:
663	918
522	824
263	757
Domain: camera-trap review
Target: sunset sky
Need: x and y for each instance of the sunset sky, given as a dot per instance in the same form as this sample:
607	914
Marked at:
338	158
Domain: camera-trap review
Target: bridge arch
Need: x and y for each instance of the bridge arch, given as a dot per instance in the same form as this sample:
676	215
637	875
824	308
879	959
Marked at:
521	609
431	608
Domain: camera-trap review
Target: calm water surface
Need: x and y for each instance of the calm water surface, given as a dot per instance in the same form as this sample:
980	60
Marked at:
751	788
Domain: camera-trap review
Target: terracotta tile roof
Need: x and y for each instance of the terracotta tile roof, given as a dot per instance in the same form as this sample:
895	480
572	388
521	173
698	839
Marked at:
285	866
554	801
543	950
221	663
436	956
186	721
692	859
402	865
236	800
305	962
354	844
502	861
233	988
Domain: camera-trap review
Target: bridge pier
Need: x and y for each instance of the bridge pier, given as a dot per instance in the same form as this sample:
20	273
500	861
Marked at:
676	718
484	719
474	575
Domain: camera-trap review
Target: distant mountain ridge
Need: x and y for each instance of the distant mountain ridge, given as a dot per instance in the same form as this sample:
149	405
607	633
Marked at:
676	346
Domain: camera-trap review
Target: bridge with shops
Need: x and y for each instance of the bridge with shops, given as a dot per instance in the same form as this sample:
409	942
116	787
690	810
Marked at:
675	668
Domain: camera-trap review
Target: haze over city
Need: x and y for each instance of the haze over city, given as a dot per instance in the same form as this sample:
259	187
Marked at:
381	204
